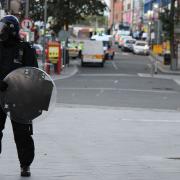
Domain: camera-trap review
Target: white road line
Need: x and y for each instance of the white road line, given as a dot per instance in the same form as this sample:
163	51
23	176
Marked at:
119	89
151	120
114	65
110	75
133	109
175	78
177	81
125	54
160	76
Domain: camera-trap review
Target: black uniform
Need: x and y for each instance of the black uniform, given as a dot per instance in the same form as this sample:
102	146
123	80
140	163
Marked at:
14	55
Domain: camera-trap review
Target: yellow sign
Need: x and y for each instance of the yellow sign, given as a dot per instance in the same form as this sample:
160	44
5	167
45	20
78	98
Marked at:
53	52
157	49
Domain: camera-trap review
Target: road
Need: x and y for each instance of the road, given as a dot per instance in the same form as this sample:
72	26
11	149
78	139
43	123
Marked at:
123	82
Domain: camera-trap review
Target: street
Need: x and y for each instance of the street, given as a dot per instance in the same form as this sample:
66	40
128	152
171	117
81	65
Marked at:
110	123
123	82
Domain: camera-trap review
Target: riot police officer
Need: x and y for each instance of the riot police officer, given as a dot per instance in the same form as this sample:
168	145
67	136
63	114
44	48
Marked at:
14	54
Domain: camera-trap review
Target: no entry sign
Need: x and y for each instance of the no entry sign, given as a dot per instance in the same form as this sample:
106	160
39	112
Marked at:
27	24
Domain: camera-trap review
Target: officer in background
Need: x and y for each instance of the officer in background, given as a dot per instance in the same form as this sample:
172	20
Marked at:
14	54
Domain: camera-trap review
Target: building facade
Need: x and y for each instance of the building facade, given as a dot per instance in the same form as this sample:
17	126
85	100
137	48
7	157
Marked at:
128	11
116	13
137	14
152	23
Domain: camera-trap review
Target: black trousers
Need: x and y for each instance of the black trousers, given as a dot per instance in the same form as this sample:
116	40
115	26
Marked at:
22	137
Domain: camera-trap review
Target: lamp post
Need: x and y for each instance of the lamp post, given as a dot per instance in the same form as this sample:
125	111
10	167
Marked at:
44	34
150	17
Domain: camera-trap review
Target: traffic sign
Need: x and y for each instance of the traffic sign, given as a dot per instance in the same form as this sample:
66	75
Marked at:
27	24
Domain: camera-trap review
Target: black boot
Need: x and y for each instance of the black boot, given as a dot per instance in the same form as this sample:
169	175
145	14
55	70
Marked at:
25	171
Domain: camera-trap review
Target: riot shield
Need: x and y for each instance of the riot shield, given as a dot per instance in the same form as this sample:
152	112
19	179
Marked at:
31	95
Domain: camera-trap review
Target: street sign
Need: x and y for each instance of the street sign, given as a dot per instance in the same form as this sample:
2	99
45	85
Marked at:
27	24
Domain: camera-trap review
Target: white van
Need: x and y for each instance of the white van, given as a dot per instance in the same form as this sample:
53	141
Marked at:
92	52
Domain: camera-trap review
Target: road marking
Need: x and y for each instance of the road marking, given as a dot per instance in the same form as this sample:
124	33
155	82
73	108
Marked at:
151	120
125	54
121	108
122	53
114	65
119	89
175	78
177	81
110	75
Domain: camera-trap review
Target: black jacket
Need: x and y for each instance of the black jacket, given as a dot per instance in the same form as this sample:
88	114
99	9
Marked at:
16	55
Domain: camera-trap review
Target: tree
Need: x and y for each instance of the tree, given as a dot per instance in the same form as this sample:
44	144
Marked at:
36	9
169	18
92	21
67	12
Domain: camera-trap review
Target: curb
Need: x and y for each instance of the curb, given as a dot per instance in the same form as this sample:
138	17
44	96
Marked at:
161	68
67	72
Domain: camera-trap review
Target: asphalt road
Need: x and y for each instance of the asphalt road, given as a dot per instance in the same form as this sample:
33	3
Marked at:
121	83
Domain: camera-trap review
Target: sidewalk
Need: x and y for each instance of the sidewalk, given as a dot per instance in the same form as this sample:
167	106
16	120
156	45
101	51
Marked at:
66	72
90	143
164	68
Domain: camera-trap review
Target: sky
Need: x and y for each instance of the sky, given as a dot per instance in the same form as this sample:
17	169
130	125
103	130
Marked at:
108	2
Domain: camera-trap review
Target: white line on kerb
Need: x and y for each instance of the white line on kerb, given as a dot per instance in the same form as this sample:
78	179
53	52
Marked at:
119	89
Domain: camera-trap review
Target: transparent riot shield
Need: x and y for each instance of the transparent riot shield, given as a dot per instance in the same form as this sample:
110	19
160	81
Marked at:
30	96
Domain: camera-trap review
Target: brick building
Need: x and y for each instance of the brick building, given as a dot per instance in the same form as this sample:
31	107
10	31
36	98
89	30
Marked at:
116	13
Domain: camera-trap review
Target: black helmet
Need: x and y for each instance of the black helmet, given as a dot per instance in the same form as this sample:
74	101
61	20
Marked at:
9	27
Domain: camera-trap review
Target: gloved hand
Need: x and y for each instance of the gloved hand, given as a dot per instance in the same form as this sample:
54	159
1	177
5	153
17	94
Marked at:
3	86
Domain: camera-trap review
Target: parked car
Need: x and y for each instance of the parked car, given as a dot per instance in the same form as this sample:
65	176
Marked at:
122	40
128	45
141	47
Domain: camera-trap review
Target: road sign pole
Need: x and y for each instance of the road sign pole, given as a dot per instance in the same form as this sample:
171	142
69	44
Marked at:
27	9
44	35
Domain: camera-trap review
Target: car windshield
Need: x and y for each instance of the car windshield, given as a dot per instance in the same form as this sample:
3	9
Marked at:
130	41
140	44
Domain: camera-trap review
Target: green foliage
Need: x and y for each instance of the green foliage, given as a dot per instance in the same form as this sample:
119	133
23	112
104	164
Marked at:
68	12
65	12
36	9
101	21
166	23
